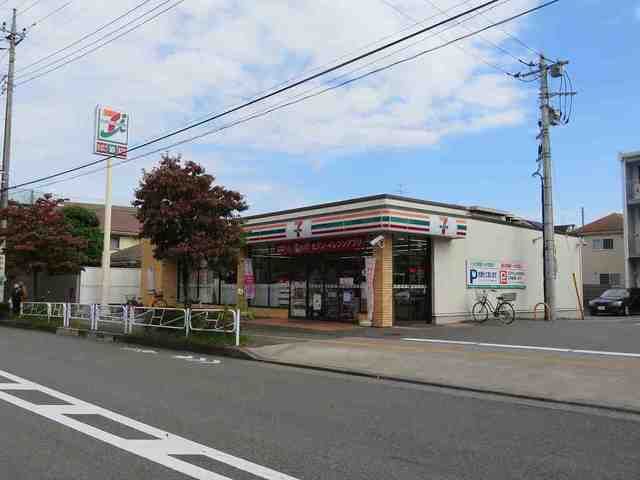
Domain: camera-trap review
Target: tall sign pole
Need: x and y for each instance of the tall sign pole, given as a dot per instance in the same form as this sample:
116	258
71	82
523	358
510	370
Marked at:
111	139
14	38
547	197
106	246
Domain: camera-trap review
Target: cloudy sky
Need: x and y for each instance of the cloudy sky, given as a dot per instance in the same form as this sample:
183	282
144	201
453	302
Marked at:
448	126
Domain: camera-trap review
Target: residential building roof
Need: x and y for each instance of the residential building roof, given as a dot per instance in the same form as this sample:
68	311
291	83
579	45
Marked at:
127	257
123	219
612	223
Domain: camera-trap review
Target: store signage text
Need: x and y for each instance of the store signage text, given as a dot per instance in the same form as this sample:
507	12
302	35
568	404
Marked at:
492	275
310	247
111	132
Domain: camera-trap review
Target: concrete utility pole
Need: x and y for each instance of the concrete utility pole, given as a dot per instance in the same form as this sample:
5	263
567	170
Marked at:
14	38
547	185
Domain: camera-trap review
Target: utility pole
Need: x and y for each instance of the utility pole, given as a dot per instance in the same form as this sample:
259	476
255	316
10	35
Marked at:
547	196
14	38
549	116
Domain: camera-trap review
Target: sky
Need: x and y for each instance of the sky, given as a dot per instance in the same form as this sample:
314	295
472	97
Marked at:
447	127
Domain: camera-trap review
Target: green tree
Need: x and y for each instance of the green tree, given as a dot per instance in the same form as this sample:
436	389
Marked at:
38	239
84	223
188	218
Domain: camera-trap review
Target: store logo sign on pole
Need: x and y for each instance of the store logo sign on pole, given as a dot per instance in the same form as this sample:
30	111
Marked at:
111	132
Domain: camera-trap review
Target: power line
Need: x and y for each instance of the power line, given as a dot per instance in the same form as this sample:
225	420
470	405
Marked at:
460	47
98	47
280	106
50	14
276	92
495	45
81	39
20	12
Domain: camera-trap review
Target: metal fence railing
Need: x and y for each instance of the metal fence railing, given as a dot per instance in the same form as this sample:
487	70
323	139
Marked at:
80	314
162	318
215	320
110	316
46	310
125	318
35	309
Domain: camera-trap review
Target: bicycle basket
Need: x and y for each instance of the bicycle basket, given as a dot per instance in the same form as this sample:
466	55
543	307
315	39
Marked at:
509	296
480	295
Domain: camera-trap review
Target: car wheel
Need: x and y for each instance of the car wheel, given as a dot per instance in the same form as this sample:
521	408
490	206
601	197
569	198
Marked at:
593	313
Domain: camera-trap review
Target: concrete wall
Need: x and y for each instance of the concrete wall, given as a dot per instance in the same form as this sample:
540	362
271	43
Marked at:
595	262
452	300
125	283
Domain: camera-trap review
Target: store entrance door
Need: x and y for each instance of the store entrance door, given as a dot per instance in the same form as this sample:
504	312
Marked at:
330	290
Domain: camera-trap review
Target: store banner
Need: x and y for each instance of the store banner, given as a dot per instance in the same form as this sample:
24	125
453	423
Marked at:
370	273
249	280
490	274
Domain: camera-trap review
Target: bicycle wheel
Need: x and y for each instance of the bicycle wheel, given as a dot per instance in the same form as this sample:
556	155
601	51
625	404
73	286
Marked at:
506	313
480	312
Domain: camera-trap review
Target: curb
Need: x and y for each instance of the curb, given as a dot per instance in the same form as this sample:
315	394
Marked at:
461	388
233	352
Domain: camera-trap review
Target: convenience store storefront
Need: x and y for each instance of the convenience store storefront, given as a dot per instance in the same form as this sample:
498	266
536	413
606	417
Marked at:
427	263
322	264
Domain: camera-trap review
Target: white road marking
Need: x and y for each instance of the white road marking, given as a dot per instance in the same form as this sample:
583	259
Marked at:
199	361
139	350
527	347
158	451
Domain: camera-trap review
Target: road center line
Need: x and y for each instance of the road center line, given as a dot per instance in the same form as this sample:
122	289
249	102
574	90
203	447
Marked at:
526	347
159	451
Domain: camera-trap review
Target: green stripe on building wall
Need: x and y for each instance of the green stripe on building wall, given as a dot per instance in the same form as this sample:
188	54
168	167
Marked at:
361	221
346	223
410	221
262	233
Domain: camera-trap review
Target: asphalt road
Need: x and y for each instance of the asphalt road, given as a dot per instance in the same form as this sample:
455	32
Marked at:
307	425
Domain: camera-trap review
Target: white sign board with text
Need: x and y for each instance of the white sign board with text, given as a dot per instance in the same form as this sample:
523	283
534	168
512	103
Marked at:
489	274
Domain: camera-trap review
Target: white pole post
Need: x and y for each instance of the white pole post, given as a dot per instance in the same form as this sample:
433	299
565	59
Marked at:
106	248
237	319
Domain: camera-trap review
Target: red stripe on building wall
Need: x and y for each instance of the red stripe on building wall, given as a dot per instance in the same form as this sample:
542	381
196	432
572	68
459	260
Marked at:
272	237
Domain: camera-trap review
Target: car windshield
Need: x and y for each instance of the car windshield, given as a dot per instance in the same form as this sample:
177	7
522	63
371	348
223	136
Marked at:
614	293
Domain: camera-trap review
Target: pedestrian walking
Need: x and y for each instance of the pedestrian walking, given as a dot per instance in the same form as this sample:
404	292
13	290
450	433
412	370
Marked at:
17	295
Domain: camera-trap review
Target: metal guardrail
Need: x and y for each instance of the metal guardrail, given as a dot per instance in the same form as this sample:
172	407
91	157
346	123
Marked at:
111	315
82	313
93	317
46	310
154	317
35	309
215	320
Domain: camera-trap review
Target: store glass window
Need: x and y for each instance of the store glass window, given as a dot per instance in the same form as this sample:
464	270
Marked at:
411	278
272	272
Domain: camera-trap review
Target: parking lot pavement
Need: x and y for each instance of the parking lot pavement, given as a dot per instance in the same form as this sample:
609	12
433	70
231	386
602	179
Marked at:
621	334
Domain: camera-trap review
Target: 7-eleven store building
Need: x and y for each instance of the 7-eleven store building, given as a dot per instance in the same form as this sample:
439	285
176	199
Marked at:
323	263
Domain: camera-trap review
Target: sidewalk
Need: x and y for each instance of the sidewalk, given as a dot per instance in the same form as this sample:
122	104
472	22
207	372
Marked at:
606	381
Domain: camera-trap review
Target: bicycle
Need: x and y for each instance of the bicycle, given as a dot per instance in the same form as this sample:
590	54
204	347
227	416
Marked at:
503	310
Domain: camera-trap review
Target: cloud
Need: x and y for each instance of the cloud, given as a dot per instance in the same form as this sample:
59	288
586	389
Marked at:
204	56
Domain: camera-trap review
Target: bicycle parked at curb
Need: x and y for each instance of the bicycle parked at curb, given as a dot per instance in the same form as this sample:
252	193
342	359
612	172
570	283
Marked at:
503	310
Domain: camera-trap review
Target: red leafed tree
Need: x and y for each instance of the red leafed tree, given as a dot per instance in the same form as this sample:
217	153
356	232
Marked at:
188	218
38	239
